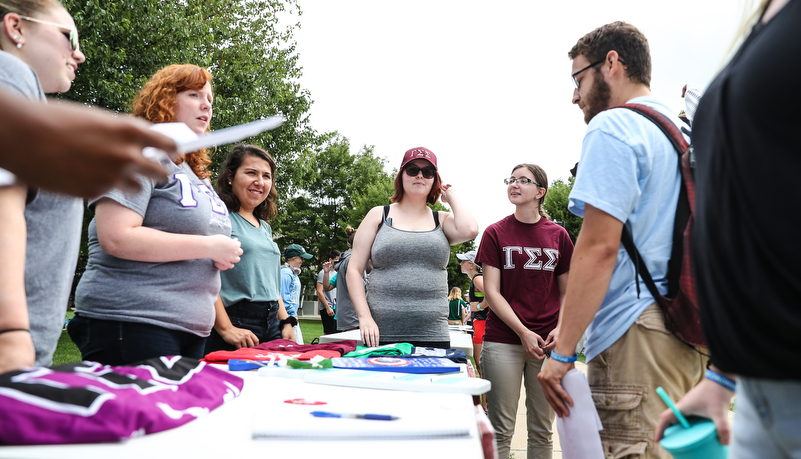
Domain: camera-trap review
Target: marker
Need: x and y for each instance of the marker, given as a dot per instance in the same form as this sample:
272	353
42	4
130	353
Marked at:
670	405
374	417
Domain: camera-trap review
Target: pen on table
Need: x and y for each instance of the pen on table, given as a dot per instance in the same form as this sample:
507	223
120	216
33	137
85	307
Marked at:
374	417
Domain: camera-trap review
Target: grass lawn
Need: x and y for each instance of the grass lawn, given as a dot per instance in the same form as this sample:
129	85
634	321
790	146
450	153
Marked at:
66	352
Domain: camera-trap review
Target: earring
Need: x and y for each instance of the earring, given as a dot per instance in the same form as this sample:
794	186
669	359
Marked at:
19	45
15	37
229	182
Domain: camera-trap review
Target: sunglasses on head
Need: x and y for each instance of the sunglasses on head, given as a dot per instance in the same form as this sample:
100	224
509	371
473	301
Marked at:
428	172
70	33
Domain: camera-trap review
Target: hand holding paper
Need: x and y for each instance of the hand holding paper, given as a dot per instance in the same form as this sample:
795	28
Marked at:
578	433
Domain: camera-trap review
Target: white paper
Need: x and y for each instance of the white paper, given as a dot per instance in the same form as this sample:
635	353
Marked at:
578	433
188	141
231	134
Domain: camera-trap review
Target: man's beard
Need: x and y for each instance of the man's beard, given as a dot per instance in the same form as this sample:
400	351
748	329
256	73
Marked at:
598	98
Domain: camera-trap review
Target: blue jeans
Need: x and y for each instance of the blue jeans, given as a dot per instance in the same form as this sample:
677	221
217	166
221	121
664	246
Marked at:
260	317
767	422
113	342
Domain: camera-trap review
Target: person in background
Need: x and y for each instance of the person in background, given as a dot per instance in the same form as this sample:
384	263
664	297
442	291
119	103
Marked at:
479	306
155	256
40	231
345	314
326	299
526	260
294	255
249	309
749	285
408	245
457	308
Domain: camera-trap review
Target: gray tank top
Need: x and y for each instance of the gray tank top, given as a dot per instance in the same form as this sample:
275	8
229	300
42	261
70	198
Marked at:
408	288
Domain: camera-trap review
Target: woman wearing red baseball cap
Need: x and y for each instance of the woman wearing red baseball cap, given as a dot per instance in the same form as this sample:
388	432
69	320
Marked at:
408	245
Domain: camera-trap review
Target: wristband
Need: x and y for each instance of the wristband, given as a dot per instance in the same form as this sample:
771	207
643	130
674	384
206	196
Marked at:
722	380
563	359
7	330
289	320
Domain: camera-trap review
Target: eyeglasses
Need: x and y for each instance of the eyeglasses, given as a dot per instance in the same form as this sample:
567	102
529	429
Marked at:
428	172
525	181
70	33
576	82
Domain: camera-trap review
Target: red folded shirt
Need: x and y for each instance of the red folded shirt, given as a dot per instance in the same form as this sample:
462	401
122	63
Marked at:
265	351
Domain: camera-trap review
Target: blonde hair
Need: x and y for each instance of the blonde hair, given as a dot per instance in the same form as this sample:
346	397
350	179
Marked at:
32	8
456	294
751	15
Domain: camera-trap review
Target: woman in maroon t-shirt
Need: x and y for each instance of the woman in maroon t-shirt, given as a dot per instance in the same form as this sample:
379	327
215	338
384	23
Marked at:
525	258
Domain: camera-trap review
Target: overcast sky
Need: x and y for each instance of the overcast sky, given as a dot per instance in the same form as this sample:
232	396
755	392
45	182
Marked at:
485	85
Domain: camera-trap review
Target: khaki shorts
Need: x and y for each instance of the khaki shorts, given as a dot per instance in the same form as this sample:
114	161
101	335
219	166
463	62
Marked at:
623	380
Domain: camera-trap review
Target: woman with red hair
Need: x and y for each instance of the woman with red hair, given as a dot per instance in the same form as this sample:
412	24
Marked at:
408	246
155	256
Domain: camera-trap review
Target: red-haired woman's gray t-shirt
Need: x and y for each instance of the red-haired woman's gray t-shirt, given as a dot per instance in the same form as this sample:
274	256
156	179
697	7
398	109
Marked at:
177	295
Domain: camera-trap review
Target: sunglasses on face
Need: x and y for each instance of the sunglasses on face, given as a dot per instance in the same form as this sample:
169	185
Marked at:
428	172
70	33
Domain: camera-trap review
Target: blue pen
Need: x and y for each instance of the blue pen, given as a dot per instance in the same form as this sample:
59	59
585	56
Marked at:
374	417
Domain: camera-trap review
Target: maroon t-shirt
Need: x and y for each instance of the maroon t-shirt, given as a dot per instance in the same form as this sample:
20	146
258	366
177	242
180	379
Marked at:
530	256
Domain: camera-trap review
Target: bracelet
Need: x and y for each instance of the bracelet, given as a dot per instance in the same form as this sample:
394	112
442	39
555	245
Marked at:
563	359
14	329
720	379
289	320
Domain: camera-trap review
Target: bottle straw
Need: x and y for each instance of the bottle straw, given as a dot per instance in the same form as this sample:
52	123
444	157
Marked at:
669	403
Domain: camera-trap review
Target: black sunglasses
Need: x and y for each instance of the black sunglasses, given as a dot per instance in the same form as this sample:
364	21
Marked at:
428	172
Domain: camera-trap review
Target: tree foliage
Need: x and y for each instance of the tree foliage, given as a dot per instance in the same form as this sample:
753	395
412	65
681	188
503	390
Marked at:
556	205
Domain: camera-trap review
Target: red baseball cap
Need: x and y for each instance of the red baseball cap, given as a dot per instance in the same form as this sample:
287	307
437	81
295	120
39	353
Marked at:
419	153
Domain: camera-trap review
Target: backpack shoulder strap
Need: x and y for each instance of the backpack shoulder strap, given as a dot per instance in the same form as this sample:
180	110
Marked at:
681	146
436	218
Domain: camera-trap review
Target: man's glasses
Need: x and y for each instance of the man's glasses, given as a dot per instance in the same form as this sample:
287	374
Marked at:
428	172
525	181
69	32
576	82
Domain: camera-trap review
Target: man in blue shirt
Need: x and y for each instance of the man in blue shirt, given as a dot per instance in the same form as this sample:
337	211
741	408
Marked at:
628	175
290	283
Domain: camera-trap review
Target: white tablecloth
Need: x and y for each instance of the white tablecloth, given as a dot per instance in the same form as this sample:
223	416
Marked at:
227	431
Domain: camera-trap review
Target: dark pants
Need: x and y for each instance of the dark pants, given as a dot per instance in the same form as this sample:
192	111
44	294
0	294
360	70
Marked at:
113	342
259	317
329	323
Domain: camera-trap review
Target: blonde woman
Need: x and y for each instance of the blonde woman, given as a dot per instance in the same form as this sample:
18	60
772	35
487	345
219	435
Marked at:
457	308
40	232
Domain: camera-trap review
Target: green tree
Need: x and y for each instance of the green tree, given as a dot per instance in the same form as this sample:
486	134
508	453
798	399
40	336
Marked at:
556	206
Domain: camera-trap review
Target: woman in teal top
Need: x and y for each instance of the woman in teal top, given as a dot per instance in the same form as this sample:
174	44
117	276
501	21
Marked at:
249	307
